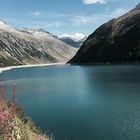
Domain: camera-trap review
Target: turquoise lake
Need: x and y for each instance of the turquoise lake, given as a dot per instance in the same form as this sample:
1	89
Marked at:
80	102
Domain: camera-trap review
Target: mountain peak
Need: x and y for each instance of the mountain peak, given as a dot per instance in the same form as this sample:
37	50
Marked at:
138	6
2	22
42	30
115	42
72	42
76	37
31	46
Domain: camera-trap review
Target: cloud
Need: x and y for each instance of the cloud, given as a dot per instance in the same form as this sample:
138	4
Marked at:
94	1
76	36
46	24
97	18
83	20
55	24
118	12
37	13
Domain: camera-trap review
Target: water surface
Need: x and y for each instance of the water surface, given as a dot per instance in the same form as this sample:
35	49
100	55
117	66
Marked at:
80	102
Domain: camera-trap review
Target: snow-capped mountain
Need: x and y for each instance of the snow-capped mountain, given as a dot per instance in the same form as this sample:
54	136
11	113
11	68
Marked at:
29	46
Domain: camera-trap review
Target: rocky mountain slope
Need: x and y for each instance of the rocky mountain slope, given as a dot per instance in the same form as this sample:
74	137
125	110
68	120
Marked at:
115	42
25	46
72	42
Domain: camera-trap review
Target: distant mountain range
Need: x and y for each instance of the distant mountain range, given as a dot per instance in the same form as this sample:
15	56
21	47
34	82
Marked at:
73	42
115	42
28	46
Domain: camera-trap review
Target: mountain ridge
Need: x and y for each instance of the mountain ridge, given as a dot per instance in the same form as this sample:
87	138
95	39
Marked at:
116	41
29	46
73	42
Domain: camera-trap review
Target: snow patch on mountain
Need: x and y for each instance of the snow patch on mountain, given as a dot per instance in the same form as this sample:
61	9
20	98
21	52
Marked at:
30	46
75	37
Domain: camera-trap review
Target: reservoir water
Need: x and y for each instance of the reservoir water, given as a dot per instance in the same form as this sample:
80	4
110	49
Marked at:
80	102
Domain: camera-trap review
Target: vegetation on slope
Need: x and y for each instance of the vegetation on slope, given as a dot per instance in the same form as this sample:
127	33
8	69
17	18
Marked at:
115	42
16	126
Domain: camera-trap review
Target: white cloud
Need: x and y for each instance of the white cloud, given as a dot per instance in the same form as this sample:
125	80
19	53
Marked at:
83	20
76	36
98	18
118	12
55	24
94	1
46	24
36	13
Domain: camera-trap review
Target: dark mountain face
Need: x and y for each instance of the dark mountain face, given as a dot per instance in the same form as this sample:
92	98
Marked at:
117	41
72	42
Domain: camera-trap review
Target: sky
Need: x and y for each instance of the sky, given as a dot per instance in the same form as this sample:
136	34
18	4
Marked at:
74	18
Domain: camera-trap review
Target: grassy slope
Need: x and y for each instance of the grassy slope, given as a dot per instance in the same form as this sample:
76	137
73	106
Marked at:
19	127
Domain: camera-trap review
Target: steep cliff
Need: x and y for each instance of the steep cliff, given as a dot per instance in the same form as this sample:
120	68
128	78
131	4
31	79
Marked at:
115	42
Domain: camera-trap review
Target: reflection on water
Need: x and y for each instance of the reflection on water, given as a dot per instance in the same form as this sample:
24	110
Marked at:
80	102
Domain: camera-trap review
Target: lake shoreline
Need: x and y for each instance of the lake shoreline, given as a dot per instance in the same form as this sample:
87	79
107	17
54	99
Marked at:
2	69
